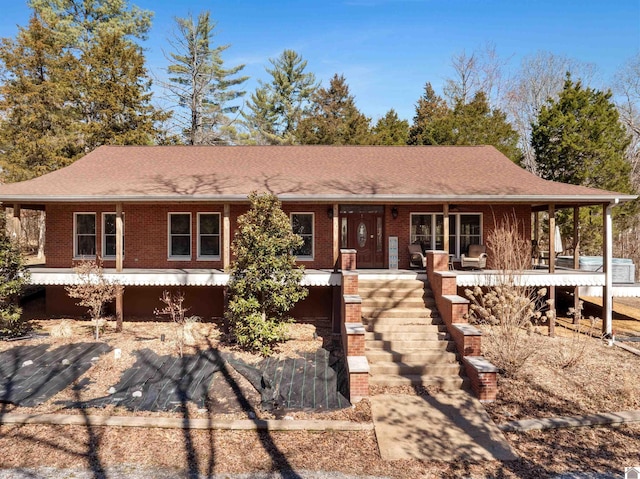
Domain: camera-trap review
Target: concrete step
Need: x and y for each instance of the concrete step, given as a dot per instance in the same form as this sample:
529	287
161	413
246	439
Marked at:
391	293
404	369
394	322
447	383
388	303
414	357
406	336
373	312
404	346
391	283
406	328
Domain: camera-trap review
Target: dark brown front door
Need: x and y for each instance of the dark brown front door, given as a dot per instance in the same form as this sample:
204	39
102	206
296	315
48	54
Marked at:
362	230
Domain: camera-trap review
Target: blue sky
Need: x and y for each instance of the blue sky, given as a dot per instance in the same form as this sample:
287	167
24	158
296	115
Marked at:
388	49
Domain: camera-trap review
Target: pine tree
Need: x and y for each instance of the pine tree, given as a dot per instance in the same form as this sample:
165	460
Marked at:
390	130
334	118
275	109
116	80
80	22
264	283
39	125
199	82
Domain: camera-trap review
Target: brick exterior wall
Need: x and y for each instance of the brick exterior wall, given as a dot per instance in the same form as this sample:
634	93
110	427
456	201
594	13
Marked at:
146	235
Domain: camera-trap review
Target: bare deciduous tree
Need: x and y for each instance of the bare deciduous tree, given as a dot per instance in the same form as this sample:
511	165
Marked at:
93	289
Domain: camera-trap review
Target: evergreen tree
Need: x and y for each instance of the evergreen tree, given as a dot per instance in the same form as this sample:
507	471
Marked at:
264	283
75	79
200	83
466	123
14	276
579	139
39	122
430	109
80	22
334	118
116	81
390	130
277	107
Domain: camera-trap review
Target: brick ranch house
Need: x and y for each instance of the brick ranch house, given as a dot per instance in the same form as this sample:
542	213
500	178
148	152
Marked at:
163	217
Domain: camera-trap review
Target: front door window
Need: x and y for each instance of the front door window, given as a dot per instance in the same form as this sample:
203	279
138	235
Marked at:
362	235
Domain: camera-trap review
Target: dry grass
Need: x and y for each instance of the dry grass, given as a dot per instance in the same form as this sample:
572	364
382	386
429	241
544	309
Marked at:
605	381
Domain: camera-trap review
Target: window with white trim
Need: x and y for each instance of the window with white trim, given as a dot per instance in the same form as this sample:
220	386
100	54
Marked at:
427	229
302	225
208	235
109	235
179	235
84	235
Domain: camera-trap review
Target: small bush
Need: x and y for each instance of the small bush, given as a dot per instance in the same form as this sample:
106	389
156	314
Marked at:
93	290
62	330
174	308
509	308
13	278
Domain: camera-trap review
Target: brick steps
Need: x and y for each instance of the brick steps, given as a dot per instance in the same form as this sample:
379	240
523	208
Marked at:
405	328
399	323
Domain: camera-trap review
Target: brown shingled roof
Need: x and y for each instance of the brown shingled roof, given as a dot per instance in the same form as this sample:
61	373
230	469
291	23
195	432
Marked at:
297	173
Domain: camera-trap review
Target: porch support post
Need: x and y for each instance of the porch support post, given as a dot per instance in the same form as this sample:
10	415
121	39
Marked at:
336	234
17	223
552	238
226	237
119	257
536	235
607	293
576	263
445	227
552	266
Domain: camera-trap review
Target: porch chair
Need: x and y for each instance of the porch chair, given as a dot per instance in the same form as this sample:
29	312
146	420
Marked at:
417	258
476	257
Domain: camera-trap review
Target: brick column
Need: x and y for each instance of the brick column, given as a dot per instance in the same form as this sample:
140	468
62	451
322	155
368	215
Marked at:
352	328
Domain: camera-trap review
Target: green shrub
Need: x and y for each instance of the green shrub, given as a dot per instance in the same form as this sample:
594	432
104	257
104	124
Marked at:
13	278
265	282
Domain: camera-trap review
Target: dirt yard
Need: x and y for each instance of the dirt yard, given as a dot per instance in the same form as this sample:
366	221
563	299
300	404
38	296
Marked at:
605	379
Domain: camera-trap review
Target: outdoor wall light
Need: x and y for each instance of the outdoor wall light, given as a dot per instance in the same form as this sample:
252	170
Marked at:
394	212
330	213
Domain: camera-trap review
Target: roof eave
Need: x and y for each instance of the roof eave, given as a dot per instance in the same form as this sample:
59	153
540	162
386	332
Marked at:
311	198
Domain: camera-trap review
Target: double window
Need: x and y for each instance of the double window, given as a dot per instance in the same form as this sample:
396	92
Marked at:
208	234
85	235
302	225
427	229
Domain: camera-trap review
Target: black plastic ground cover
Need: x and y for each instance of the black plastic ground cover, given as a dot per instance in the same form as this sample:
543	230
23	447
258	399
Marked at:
310	382
167	383
30	375
162	383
